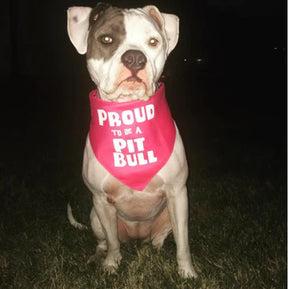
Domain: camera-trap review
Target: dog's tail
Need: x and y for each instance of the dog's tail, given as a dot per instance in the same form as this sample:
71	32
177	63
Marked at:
73	221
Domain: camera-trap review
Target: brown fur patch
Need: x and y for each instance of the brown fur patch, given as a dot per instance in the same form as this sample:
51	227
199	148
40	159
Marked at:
110	23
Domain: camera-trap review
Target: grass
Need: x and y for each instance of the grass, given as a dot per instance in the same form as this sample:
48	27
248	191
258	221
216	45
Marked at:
237	223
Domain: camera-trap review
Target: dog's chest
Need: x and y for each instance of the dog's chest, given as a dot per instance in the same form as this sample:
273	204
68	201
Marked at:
133	205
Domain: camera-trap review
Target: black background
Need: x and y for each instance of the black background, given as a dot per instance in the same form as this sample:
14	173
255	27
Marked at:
228	70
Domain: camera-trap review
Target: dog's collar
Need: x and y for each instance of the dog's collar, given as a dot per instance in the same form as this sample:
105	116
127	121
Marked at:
132	140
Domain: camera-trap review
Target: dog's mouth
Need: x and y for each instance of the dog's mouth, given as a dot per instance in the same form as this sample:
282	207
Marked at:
128	86
129	89
133	78
131	85
132	88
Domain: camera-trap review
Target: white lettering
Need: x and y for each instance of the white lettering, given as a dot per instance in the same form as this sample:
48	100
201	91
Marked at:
141	159
139	142
116	132
119	144
150	111
140	118
102	116
138	130
130	146
127	117
130	162
119	160
151	157
114	118
127	131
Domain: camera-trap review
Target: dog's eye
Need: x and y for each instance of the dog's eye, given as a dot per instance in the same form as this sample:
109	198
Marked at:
105	39
153	42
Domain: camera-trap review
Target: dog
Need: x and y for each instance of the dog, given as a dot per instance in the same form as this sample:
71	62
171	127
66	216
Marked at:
139	189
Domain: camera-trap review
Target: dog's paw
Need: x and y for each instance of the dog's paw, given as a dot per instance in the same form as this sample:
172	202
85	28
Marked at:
101	253
110	269
187	273
112	262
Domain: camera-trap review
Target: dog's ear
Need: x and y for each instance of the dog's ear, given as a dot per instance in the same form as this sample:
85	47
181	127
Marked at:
78	21
78	26
169	23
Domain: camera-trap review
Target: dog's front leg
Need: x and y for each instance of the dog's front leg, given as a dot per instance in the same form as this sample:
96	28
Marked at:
107	216
177	203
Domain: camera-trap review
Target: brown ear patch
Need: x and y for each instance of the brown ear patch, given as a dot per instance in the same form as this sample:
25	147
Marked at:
157	17
98	10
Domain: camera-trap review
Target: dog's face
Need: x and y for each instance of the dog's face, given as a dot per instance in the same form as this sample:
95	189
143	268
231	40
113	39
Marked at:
126	48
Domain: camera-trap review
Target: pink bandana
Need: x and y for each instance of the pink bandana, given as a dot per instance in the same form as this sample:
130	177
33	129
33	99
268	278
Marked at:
132	140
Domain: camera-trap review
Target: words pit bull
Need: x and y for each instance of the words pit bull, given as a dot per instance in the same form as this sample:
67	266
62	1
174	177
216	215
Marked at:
134	161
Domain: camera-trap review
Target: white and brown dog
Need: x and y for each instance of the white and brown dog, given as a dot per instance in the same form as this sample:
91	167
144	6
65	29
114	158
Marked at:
143	193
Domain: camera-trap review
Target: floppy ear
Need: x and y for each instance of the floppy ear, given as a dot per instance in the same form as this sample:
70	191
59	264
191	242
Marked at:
77	26
169	23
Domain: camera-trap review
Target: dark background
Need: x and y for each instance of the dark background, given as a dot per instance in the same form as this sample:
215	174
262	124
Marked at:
227	75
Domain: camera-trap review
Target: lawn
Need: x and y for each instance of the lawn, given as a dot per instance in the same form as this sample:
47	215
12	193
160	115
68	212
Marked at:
237	193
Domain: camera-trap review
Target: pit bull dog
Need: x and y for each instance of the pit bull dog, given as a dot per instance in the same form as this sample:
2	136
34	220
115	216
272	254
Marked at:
134	160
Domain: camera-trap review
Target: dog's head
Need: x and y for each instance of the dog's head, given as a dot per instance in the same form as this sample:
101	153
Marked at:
126	49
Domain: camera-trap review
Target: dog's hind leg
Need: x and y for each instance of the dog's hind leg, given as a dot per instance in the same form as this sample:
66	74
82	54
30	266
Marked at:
161	229
106	235
101	248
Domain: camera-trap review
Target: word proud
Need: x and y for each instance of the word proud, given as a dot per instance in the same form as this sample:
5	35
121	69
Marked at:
126	117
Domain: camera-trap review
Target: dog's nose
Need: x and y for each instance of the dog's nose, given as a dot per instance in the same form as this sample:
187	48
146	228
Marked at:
134	60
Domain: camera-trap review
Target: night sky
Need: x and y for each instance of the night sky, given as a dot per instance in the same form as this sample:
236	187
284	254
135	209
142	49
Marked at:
230	61
34	31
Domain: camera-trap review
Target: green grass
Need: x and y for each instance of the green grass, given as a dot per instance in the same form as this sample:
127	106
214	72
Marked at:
237	225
